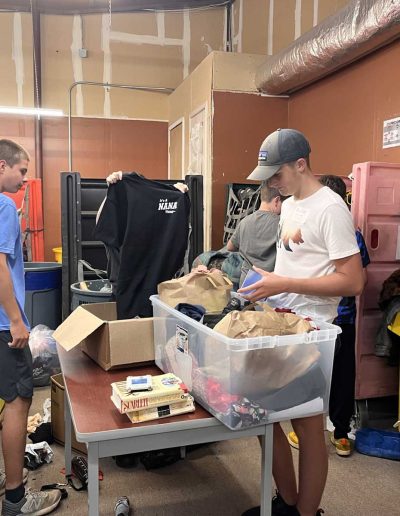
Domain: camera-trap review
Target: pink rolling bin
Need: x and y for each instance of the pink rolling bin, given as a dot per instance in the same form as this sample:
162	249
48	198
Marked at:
376	211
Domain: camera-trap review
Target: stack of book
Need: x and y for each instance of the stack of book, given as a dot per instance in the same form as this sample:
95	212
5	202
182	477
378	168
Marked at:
169	397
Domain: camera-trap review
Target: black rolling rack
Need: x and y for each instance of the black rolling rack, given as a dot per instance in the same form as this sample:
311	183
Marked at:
80	201
241	200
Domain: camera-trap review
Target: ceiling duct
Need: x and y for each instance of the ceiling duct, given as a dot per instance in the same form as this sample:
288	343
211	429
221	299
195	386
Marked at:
101	6
356	30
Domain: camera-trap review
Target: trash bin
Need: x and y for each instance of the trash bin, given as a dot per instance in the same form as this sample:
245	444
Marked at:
96	291
43	293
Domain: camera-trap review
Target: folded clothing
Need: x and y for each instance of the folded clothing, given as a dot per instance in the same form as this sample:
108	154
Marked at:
302	389
195	312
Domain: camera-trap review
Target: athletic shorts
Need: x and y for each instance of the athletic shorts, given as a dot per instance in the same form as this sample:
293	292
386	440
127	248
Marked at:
16	375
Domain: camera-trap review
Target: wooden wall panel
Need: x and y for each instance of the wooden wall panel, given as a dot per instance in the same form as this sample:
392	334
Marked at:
99	147
241	122
343	114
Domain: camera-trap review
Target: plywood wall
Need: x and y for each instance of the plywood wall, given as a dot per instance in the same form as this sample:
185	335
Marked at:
142	49
151	49
192	96
269	26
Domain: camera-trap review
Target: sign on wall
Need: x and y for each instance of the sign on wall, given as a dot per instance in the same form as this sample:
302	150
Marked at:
391	133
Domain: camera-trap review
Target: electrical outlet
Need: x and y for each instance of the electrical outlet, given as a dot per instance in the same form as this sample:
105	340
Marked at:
83	52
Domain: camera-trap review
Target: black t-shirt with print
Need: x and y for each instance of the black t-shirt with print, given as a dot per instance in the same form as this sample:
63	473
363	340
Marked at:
147	222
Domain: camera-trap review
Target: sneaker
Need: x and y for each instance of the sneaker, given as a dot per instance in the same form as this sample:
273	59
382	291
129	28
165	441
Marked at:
122	507
343	446
255	511
279	508
3	480
293	440
34	503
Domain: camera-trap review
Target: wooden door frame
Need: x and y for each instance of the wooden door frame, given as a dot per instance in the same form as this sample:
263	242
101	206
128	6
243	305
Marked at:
172	126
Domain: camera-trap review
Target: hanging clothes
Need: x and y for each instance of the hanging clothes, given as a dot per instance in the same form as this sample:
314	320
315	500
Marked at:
146	223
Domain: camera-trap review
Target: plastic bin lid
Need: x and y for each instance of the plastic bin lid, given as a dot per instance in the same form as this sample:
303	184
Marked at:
41	266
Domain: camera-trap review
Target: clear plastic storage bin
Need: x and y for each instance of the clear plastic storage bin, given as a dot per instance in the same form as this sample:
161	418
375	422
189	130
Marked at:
246	382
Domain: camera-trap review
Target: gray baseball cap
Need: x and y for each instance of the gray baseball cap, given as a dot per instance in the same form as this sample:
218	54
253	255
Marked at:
280	147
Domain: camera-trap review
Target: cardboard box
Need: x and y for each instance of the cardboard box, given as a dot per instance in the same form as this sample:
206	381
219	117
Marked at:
109	342
57	414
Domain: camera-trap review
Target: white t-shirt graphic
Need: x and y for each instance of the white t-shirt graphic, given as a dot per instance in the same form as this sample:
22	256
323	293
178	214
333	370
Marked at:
312	233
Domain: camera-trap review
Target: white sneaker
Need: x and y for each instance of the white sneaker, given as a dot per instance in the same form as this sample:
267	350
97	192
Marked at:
34	503
3	480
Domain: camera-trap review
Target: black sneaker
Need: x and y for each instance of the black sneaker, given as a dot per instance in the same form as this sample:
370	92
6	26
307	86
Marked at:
126	461
254	511
279	508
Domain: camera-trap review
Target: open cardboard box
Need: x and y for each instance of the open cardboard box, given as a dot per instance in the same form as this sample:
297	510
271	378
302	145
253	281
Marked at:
110	342
57	415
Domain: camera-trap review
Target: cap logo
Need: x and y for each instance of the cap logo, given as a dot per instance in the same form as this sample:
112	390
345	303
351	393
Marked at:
263	156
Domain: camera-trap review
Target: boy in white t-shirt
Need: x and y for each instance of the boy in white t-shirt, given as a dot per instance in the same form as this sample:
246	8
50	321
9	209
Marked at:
317	263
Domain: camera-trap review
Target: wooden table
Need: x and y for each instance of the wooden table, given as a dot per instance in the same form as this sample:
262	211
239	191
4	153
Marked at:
107	433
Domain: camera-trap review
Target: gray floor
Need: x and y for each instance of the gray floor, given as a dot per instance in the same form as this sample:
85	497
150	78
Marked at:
223	479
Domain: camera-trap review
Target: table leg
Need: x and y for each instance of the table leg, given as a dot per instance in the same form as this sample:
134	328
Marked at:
266	470
93	484
67	438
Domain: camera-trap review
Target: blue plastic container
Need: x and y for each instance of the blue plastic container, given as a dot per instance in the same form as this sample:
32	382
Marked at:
43	293
378	443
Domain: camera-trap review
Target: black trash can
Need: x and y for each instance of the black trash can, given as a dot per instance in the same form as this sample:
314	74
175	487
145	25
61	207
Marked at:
98	291
43	293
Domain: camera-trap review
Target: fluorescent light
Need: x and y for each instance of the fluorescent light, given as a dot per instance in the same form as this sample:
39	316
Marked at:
11	110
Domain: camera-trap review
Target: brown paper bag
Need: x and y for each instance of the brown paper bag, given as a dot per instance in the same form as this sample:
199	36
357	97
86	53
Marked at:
254	372
247	324
210	289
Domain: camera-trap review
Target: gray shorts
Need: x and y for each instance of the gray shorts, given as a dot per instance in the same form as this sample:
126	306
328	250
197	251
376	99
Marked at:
16	377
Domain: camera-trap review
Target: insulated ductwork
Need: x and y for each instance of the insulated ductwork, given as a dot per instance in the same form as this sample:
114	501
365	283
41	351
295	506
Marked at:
358	29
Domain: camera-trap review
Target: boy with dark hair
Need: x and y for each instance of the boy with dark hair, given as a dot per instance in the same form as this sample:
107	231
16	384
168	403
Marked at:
16	379
255	235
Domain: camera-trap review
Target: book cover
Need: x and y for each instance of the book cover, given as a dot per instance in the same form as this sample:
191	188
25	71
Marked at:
167	388
162	411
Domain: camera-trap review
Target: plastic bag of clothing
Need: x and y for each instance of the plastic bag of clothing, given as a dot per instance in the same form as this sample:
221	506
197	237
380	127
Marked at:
44	355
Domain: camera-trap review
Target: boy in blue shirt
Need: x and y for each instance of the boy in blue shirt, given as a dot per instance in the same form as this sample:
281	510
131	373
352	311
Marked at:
16	380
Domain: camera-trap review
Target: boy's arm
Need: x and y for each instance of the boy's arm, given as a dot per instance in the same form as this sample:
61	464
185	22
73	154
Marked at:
18	329
347	280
